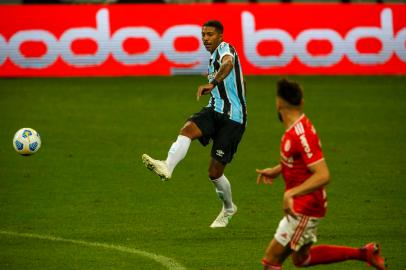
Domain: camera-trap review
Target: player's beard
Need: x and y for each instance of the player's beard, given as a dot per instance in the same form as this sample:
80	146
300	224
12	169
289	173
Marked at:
280	117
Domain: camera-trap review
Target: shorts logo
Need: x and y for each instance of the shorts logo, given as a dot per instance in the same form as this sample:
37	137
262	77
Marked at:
220	153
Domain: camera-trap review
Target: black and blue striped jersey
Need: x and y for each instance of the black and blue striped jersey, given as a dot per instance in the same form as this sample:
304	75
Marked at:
228	97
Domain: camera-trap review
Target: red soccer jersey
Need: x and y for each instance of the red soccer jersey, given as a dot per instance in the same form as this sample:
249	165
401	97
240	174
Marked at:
300	148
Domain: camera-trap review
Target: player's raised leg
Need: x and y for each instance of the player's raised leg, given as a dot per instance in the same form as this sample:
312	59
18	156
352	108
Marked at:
177	152
164	168
157	166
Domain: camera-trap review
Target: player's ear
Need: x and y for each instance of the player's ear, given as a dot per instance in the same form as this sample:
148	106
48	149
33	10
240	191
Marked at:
220	35
278	104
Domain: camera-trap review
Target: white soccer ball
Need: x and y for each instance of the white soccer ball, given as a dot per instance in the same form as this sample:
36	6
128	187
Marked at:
26	141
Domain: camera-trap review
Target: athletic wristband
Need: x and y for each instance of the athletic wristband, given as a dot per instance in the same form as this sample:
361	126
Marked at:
214	82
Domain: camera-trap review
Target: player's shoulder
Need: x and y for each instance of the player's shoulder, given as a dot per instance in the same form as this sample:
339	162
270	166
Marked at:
224	47
224	44
303	135
303	126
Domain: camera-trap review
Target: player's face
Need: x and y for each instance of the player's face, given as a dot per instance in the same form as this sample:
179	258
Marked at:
211	38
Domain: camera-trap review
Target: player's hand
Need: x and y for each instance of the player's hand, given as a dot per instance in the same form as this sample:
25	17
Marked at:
204	90
267	175
288	205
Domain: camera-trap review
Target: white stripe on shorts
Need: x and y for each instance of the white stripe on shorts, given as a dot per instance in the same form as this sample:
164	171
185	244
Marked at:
299	231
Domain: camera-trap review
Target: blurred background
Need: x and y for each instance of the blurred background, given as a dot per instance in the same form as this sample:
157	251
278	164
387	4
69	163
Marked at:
76	73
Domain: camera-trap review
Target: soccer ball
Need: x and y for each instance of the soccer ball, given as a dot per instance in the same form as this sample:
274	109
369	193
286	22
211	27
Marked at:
26	141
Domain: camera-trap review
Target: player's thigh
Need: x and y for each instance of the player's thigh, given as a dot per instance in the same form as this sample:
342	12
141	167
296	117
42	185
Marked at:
191	130
226	141
200	125
297	232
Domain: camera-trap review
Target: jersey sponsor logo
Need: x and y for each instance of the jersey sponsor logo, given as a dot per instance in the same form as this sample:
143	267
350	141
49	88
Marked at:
306	146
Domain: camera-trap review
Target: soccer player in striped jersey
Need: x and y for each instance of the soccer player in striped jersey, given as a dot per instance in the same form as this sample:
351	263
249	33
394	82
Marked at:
222	121
306	174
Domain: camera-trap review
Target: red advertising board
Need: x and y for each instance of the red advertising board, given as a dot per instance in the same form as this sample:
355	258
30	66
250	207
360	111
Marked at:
120	40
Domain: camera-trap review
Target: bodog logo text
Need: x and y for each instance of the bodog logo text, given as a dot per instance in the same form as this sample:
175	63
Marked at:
109	43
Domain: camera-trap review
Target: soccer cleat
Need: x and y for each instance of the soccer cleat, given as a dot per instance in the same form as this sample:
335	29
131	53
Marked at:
157	166
223	218
373	256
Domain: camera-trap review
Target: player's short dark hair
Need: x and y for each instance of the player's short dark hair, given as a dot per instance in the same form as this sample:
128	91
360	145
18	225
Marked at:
216	24
290	91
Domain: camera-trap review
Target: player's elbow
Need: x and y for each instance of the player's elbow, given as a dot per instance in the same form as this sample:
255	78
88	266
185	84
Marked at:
229	66
325	176
323	173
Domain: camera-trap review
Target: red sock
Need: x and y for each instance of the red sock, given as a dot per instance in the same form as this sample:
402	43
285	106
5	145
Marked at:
324	254
269	266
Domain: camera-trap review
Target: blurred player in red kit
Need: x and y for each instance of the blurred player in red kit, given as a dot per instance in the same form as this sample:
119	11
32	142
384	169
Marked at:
304	202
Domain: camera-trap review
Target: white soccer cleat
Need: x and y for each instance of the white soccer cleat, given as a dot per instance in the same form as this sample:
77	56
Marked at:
157	166
224	218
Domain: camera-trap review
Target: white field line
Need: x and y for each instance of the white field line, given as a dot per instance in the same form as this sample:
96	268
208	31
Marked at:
165	261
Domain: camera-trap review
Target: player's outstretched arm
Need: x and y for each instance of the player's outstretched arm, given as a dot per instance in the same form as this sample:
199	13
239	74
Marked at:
225	69
267	175
319	178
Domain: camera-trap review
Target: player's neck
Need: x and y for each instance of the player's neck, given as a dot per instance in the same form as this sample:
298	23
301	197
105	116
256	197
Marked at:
291	117
215	48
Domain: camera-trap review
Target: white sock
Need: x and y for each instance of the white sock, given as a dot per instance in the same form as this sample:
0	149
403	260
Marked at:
223	189
177	152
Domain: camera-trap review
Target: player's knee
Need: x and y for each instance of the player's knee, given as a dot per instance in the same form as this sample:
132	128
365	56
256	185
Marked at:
215	173
216	169
300	261
190	130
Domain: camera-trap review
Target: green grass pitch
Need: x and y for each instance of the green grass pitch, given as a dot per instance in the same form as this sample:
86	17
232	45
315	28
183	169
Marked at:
87	182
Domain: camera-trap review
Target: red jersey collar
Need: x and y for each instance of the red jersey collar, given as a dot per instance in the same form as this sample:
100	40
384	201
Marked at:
297	121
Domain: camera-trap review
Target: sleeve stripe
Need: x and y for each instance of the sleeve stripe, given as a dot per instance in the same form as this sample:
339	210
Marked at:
299	129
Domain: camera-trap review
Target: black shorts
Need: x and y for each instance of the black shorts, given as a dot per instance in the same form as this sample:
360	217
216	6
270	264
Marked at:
225	133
